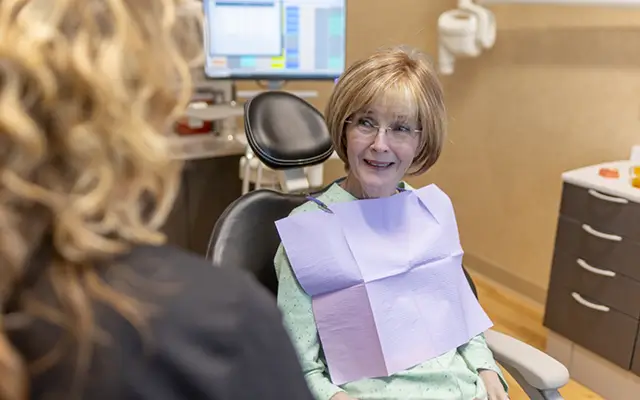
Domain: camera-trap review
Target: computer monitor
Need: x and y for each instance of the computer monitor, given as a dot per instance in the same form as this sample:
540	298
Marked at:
275	40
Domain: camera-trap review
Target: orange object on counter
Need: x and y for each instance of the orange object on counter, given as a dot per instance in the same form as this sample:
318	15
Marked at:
185	126
609	172
190	126
635	182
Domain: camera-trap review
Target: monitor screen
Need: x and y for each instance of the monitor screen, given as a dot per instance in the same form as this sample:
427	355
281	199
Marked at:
275	39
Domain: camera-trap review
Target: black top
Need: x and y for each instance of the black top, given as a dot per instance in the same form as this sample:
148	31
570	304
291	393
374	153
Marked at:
216	335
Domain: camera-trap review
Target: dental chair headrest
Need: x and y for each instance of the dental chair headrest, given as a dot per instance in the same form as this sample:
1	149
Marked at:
284	131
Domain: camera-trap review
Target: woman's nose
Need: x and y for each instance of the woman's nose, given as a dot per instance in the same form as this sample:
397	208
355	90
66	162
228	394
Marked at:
380	141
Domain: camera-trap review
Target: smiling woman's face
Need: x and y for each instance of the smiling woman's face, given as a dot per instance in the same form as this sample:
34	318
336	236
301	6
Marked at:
382	142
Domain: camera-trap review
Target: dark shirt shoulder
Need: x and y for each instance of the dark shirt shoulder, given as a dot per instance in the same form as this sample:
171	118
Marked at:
212	333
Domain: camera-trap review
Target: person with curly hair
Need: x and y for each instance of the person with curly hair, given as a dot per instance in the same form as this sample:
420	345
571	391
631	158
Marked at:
94	304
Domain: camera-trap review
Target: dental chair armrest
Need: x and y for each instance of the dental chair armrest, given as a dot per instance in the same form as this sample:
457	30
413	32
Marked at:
538	369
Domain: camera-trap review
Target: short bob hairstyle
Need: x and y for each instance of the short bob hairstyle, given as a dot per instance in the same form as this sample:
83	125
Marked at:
397	74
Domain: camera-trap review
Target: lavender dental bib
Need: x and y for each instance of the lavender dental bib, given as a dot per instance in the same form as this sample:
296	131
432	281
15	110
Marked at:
386	281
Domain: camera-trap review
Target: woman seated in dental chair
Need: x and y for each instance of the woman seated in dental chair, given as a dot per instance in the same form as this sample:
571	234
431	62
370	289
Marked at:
370	276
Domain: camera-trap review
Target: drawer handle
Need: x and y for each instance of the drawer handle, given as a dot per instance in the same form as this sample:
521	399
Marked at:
607	236
588	304
582	263
607	198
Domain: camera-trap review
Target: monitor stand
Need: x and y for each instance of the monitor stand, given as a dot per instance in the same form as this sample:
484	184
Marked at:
268	86
275	85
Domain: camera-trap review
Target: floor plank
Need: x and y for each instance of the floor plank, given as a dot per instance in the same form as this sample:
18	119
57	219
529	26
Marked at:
516	316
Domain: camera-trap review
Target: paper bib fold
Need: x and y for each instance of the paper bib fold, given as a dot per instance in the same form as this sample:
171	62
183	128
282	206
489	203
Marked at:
386	280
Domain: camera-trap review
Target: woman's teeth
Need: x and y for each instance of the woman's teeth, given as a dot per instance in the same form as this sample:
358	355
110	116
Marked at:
378	164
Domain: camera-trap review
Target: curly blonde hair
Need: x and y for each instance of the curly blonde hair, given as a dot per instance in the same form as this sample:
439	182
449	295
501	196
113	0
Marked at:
88	92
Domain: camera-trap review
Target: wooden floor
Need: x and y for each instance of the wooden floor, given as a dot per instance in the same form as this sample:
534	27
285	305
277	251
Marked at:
517	317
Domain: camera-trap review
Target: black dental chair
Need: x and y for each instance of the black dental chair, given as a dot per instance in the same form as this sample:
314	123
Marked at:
287	134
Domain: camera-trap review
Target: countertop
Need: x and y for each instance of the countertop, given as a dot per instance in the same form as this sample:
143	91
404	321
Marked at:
589	178
191	147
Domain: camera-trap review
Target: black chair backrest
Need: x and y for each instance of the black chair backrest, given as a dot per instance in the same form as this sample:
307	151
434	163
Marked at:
245	235
283	131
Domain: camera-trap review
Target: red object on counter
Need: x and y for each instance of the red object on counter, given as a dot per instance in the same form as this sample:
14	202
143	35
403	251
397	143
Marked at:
609	173
190	126
183	126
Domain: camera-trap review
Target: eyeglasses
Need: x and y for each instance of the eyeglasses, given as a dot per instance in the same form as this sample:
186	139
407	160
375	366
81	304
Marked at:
398	131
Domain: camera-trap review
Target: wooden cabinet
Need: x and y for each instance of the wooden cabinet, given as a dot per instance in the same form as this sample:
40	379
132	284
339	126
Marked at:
177	225
593	300
635	366
594	291
208	187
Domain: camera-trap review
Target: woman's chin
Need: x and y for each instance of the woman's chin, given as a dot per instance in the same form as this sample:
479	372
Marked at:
378	189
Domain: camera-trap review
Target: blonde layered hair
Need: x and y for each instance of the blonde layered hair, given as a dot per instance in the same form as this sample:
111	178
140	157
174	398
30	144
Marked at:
397	74
88	92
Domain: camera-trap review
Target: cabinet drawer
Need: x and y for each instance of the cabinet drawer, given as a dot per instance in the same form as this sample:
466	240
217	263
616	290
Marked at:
580	241
606	213
635	364
604	286
610	334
